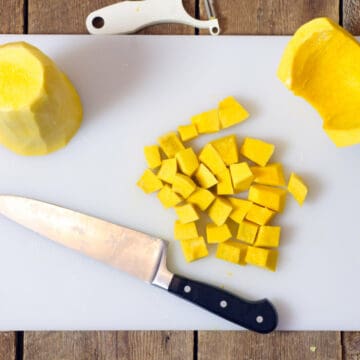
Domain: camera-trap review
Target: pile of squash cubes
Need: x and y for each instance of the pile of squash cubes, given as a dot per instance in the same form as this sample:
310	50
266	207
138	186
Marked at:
207	182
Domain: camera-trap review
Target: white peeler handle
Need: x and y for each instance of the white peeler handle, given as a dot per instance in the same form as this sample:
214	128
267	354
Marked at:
130	16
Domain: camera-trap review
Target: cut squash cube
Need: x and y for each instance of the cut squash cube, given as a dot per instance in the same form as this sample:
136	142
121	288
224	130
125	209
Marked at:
187	132
247	232
217	234
207	122
194	249
220	210
224	186
183	185
268	236
297	188
231	112
152	156
240	209
186	213
170	144
205	177
188	161
202	198
259	215
264	258
271	174
185	231
149	182
212	159
241	176
232	251
168	170
270	197
227	148
168	197
257	151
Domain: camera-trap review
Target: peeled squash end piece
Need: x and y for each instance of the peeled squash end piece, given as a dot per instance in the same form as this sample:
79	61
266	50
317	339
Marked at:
40	110
320	65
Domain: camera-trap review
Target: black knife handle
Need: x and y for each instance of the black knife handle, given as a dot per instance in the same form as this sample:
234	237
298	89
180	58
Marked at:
259	316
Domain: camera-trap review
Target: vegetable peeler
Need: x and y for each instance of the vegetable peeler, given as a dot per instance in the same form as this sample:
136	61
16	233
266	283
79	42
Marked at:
127	17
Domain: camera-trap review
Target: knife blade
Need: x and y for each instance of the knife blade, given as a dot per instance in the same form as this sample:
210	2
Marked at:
136	253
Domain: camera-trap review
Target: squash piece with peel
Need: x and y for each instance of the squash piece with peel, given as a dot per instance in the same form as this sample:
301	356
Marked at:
40	110
321	64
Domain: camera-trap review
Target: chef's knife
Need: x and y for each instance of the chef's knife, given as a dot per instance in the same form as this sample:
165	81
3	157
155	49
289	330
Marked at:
136	253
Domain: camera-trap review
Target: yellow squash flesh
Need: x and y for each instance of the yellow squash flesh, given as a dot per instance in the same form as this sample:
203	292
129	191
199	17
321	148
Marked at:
321	63
40	111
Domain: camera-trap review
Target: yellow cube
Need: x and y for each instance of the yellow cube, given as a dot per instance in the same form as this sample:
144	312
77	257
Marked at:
168	197
168	170
202	198
247	232
183	185
186	213
185	231
188	161
297	188
271	174
224	186
187	132
227	148
240	209
217	234
264	258
207	122
259	215
170	144
205	177
232	251
257	150
149	182
272	198
194	248
220	210
231	112
152	156
241	176
268	236
212	159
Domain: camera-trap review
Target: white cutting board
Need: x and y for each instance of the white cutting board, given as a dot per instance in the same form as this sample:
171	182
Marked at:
135	88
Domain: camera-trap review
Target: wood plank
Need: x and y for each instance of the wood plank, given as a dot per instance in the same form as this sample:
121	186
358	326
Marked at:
351	345
275	346
7	345
68	17
274	17
351	16
11	16
109	345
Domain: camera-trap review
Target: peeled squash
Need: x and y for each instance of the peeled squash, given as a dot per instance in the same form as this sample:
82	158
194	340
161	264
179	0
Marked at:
321	64
40	110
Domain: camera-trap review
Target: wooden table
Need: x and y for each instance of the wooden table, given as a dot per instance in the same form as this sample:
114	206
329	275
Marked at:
236	17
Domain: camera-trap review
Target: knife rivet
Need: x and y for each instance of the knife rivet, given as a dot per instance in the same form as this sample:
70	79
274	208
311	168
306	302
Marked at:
187	288
259	319
223	303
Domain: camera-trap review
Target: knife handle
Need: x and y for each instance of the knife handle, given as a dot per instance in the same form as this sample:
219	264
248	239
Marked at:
259	316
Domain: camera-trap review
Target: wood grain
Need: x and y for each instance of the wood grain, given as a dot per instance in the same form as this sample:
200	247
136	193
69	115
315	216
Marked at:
275	346
11	16
351	345
351	16
7	346
269	17
109	345
68	17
